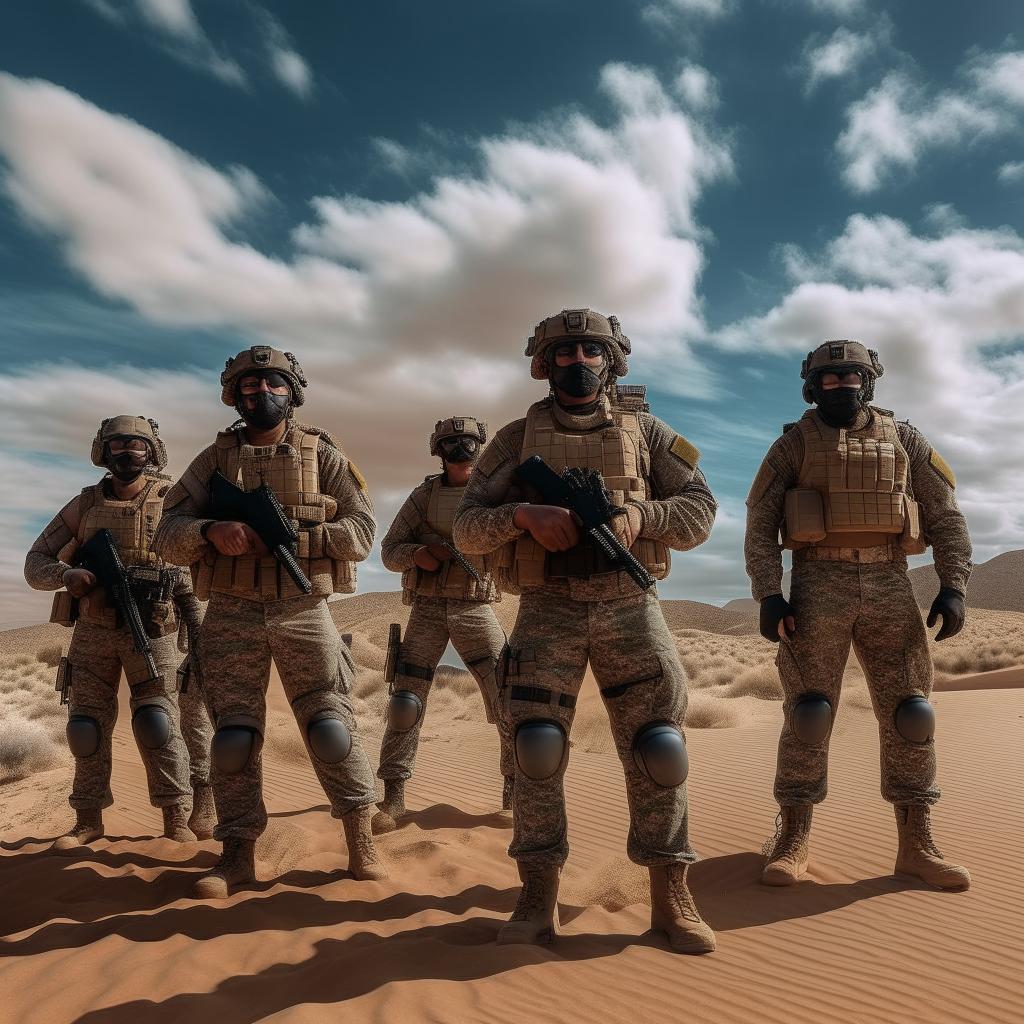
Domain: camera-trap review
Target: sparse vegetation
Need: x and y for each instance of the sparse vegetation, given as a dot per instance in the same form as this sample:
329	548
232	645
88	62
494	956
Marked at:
31	718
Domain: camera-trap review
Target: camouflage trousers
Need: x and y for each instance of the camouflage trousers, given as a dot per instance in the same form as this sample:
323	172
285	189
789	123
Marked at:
197	732
95	659
479	640
237	640
872	607
637	667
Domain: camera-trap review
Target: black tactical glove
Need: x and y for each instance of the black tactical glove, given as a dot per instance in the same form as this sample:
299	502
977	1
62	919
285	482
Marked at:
950	605
774	610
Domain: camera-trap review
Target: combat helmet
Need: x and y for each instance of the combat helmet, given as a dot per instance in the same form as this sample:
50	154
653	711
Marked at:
456	426
833	356
575	325
129	426
258	359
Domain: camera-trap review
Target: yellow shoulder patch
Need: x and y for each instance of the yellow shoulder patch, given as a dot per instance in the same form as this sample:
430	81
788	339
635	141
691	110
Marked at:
682	449
359	478
941	466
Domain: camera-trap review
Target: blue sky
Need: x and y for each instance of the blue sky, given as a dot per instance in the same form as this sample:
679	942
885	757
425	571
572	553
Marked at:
399	192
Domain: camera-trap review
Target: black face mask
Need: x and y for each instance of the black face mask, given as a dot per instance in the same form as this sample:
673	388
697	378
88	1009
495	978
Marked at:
270	409
838	406
127	466
577	379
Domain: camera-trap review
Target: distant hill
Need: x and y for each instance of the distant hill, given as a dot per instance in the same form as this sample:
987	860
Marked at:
997	584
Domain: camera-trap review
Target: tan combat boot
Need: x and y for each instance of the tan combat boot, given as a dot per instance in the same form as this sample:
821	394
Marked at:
918	855
236	867
506	795
674	912
535	918
203	818
392	807
363	860
788	857
88	826
176	825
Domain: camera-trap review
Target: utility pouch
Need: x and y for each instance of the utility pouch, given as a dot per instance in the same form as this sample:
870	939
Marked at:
64	610
805	515
912	540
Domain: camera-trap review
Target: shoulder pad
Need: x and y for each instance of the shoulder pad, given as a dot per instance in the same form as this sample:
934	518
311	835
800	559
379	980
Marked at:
431	477
787	427
308	428
883	412
631	397
229	438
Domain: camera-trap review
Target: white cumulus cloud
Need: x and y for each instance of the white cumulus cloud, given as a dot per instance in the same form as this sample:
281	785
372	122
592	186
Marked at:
840	55
946	313
402	313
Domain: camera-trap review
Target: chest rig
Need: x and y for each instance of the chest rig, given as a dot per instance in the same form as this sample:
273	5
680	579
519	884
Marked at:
132	524
852	491
292	471
451	580
609	440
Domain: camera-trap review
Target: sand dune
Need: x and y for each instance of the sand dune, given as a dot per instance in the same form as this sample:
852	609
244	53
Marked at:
108	934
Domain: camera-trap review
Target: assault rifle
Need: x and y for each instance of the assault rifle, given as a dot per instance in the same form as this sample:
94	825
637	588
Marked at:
582	492
261	510
99	555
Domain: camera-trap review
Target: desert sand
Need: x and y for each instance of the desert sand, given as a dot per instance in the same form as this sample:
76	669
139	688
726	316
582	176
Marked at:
109	934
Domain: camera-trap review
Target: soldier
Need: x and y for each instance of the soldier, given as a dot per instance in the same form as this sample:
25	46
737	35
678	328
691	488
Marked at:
257	611
854	492
127	502
577	607
446	602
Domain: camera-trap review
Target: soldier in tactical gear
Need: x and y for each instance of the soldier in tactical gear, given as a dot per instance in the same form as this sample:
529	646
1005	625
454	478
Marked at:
258	612
447	602
127	502
577	607
854	492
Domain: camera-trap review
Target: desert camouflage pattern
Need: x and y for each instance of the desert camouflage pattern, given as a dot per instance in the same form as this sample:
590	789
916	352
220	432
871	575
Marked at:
847	594
677	512
237	640
637	668
95	659
929	482
609	440
426	517
101	647
320	489
872	606
566	622
479	640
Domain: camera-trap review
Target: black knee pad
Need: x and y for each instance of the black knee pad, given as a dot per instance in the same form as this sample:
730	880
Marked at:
235	743
915	719
83	734
541	747
812	719
405	709
152	726
328	737
659	751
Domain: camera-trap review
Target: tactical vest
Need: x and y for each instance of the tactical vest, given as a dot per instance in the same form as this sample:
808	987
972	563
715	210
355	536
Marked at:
292	471
852	490
451	580
132	524
615	445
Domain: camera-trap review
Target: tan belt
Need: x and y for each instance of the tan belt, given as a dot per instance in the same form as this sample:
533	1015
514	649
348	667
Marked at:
865	556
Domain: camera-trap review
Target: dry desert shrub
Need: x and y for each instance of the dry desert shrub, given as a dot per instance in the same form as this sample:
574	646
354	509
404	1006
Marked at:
706	711
26	747
50	655
32	719
760	681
